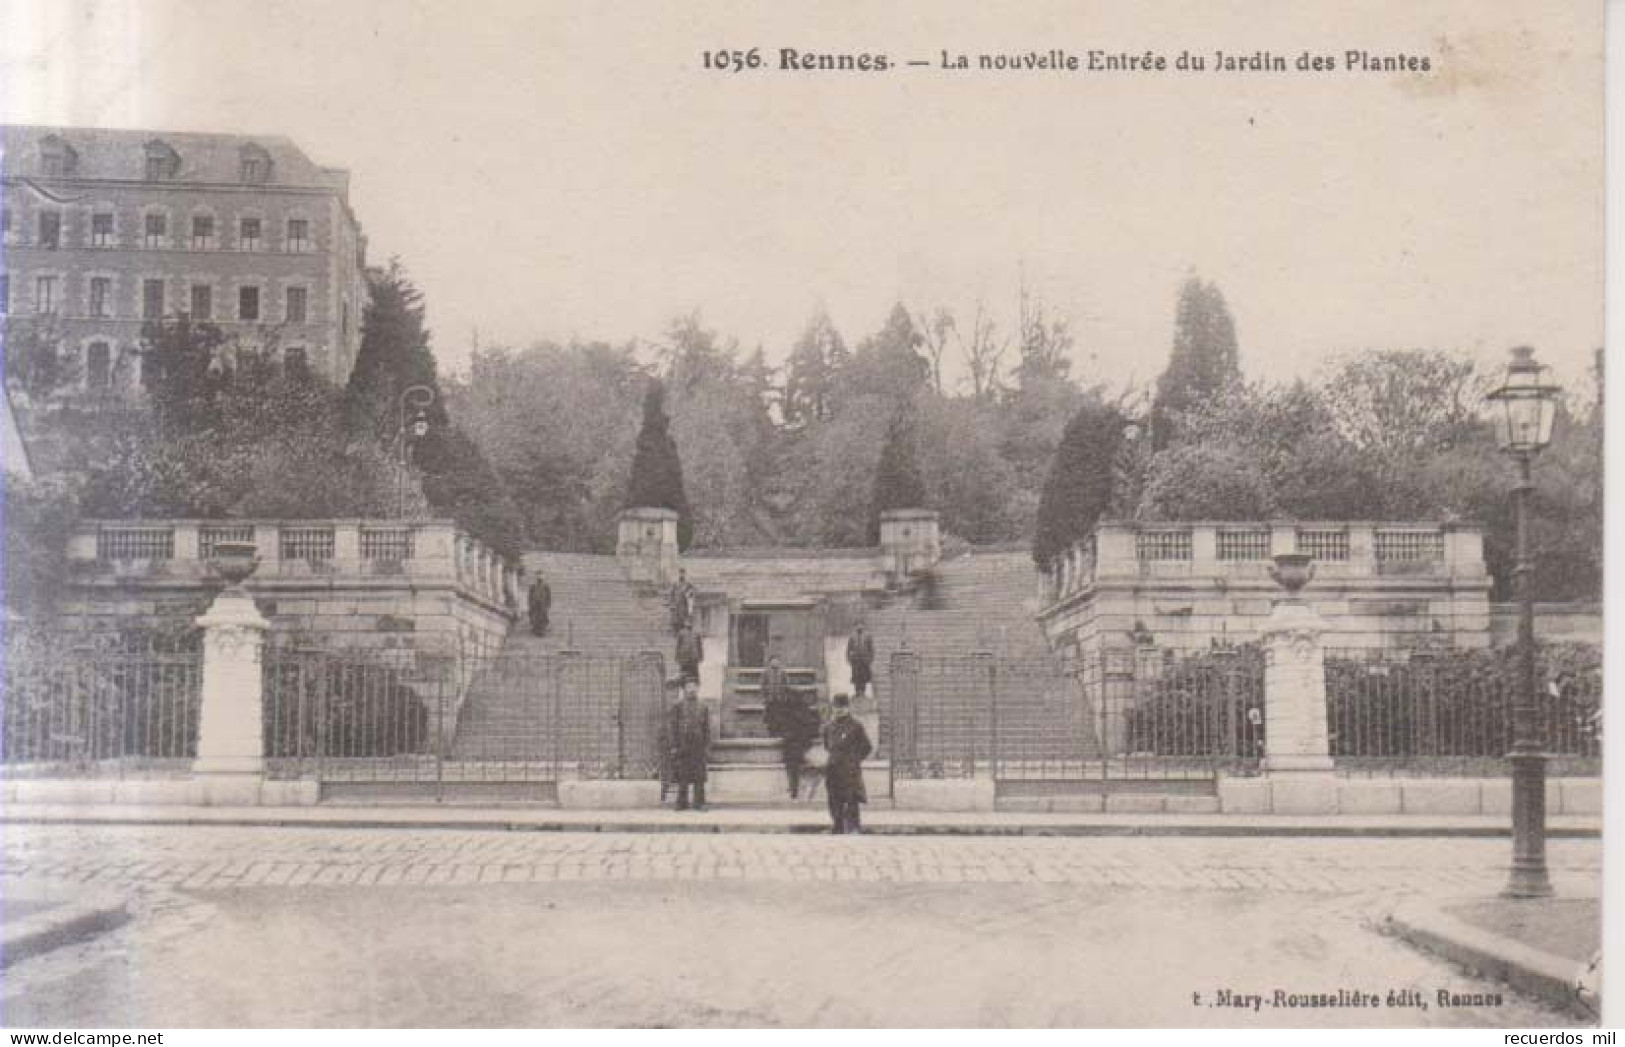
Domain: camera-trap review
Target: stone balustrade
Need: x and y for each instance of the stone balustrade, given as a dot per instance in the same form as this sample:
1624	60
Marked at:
407	550
1237	551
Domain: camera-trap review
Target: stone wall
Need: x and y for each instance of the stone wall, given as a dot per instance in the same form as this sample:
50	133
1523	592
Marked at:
1188	585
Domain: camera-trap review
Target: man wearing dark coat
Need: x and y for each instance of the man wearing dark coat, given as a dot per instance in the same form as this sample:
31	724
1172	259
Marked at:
682	602
688	735
848	746
789	719
540	600
690	653
860	655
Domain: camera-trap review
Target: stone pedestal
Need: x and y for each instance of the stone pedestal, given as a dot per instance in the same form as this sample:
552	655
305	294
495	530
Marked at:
909	542
646	545
1297	757
231	721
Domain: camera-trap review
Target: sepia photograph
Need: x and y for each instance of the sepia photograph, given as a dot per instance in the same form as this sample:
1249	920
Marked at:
586	514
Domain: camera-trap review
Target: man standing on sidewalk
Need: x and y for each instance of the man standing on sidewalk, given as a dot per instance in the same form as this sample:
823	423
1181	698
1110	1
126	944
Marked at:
688	733
848	746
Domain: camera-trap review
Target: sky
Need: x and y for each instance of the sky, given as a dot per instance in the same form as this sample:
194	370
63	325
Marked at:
570	169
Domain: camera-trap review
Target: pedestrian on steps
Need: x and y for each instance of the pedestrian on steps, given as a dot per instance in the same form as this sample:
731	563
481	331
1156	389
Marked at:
688	735
860	657
789	719
682	602
690	653
540	601
848	746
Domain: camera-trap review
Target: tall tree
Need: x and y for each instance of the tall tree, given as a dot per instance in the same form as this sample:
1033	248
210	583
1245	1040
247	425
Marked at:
936	330
1204	360
984	350
657	471
1080	484
897	478
815	361
395	354
888	363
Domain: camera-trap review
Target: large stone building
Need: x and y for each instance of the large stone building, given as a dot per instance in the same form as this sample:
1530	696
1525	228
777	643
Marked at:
104	230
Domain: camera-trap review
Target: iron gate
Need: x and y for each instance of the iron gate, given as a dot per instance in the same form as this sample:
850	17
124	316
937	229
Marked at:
499	725
1045	725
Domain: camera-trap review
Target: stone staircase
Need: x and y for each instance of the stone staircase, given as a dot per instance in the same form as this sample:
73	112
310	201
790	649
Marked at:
596	610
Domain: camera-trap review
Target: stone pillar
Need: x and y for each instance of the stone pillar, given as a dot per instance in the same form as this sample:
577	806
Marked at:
1297	757
909	541
231	720
646	545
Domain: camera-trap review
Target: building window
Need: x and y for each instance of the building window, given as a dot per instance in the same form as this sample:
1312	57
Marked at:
101	293
5	224
99	366
294	362
5	292
202	302
296	305
298	234
162	162
57	158
157	229
202	231
152	299
255	164
344	321
248	234
101	230
45	294
50	229
248	303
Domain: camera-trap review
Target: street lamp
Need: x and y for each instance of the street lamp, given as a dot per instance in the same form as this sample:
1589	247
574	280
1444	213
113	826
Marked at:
416	399
1527	404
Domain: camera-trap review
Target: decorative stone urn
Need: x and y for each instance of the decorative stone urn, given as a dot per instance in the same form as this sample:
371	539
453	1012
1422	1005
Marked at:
234	562
1293	571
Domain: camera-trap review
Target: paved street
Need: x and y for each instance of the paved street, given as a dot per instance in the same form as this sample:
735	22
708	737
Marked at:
280	927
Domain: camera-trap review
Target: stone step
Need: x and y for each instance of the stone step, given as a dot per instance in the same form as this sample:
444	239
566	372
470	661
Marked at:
735	784
729	752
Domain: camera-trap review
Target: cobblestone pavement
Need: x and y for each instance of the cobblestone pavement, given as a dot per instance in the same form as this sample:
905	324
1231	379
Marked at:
311	927
215	858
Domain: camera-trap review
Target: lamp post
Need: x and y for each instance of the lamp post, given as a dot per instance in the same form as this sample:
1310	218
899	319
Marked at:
414	398
1527	403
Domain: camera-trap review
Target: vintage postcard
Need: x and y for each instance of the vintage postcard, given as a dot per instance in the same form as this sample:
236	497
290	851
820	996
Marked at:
549	513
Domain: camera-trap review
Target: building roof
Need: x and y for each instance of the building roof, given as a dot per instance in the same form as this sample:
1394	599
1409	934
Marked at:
121	155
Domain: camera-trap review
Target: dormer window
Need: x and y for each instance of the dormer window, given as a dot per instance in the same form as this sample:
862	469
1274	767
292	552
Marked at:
162	161
256	164
57	159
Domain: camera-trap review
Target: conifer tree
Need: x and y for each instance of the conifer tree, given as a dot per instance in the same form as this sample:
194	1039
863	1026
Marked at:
657	471
898	484
1204	359
1079	488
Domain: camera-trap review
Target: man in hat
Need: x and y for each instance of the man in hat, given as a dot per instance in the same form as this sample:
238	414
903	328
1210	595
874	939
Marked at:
860	656
848	746
688	737
540	600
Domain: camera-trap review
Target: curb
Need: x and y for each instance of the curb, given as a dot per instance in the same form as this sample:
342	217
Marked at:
1552	979
72	921
303	818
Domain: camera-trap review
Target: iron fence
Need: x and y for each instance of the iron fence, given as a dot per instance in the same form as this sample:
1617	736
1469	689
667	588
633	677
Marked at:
81	712
1041	724
1451	713
370	717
